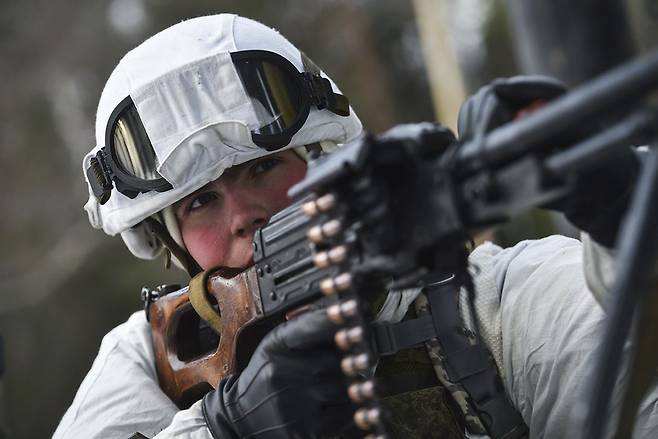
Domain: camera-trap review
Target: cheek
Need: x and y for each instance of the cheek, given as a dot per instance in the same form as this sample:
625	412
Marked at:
212	245
206	244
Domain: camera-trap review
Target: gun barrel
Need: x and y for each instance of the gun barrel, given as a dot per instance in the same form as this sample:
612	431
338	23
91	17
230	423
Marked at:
638	128
609	90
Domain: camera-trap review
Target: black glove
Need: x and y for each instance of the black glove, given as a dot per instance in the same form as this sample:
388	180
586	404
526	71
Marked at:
499	102
597	200
293	386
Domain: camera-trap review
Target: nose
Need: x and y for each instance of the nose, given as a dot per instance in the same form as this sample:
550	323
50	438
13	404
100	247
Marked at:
248	212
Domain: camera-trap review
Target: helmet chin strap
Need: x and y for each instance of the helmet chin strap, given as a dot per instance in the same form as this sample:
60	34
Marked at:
180	254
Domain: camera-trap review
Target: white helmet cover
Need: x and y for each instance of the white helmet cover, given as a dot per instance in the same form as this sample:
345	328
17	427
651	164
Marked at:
196	114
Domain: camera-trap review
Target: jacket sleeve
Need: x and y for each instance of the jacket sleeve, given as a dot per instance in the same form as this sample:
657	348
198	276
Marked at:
550	324
120	395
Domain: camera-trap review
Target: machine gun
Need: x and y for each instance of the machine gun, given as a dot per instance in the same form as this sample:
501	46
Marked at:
394	212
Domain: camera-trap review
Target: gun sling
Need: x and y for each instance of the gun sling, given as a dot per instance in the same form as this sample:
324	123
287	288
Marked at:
468	365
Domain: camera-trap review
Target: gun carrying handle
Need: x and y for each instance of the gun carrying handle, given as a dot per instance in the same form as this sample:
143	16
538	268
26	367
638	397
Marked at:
199	299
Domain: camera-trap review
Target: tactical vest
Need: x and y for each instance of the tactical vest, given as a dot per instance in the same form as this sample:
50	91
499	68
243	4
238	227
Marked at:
470	383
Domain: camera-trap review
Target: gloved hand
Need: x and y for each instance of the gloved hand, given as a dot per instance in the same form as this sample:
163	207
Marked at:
292	387
597	200
501	101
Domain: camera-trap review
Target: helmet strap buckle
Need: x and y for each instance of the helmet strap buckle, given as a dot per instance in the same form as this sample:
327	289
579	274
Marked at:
100	175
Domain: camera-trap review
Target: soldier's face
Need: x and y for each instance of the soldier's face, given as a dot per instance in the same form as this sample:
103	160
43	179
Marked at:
218	221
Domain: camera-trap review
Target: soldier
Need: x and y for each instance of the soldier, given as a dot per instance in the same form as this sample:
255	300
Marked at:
200	132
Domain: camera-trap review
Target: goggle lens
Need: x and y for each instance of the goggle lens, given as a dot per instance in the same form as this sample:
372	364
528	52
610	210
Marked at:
132	147
275	95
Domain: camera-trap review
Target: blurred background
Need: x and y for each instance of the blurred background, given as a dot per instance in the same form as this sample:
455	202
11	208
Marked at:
63	285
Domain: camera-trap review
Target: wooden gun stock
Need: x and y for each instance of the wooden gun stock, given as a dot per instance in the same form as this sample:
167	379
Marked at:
191	357
186	368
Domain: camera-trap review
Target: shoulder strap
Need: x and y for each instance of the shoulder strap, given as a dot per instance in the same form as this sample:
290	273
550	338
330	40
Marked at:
465	367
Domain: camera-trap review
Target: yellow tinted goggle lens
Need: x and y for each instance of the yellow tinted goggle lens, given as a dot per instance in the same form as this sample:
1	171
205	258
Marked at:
274	94
133	148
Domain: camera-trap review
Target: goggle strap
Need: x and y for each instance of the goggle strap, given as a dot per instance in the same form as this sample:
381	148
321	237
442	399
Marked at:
322	94
126	189
99	175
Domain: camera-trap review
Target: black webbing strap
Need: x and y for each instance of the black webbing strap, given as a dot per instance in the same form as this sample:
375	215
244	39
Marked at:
393	337
471	366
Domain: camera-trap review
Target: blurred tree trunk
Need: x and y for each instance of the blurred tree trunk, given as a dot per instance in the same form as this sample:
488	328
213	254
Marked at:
570	40
369	69
440	59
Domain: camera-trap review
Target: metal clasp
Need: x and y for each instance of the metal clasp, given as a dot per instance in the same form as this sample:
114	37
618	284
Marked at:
148	296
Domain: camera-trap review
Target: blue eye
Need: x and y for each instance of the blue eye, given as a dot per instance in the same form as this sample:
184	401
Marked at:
202	199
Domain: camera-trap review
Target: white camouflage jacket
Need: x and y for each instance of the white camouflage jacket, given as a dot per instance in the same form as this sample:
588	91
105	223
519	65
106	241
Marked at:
538	306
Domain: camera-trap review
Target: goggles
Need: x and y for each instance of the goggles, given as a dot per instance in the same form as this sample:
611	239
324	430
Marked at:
281	98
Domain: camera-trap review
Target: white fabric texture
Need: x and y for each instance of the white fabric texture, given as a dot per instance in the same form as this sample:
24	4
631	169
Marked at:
120	395
196	113
599	270
533	294
550	325
486	303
